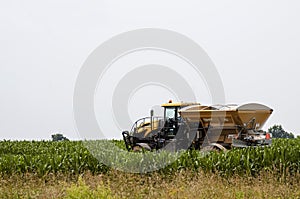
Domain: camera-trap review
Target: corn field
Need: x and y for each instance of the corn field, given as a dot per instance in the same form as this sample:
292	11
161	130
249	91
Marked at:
72	157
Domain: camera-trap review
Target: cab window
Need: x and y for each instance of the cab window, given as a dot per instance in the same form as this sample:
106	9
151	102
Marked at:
170	112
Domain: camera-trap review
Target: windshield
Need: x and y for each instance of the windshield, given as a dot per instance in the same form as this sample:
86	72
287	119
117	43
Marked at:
170	112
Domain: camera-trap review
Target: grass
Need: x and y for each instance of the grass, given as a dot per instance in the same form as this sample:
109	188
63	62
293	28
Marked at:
115	184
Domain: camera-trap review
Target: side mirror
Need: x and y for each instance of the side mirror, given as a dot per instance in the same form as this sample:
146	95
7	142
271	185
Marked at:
151	112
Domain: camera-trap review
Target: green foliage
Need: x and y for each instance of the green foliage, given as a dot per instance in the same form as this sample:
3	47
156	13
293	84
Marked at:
81	190
278	132
43	157
77	157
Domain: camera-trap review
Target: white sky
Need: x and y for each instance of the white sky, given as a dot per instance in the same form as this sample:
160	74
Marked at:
254	44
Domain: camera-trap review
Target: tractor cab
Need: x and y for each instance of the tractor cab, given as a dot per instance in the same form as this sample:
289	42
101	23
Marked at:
172	118
167	125
146	129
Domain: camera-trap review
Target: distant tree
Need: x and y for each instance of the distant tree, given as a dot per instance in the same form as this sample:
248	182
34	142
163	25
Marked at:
58	137
278	132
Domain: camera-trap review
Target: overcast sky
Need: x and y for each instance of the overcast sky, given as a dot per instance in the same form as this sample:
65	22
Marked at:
254	45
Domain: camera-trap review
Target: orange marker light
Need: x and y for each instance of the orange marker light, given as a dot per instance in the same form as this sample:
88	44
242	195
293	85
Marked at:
268	136
170	101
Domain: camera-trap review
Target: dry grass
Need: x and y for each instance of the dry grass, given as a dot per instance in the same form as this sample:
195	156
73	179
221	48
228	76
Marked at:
125	185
